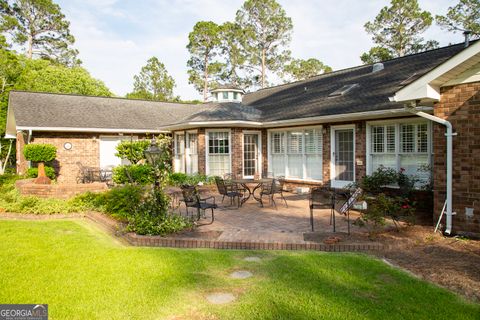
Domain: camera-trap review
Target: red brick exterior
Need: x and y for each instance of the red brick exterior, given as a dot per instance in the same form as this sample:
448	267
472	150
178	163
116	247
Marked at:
460	105
26	187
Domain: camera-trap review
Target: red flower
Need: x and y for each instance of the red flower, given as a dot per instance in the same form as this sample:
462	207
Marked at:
405	206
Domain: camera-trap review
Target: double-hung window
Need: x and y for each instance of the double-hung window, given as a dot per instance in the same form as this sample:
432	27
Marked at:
218	153
400	145
296	153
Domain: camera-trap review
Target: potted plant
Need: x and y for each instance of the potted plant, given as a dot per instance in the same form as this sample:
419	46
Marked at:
40	153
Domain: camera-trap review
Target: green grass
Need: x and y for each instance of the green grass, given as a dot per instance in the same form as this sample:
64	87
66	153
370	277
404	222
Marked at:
82	273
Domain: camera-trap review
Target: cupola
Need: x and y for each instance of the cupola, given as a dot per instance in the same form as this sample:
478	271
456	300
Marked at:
227	93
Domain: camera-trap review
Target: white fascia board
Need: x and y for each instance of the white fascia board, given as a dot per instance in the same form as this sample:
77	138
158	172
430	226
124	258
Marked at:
422	88
99	130
295	122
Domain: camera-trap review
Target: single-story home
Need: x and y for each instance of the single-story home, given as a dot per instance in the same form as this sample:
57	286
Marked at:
420	112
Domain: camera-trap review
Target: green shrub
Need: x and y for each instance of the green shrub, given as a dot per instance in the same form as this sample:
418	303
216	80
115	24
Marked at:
178	178
40	152
120	202
136	173
133	151
33	172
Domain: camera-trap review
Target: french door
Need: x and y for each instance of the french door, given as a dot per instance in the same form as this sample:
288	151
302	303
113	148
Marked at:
192	153
342	161
251	155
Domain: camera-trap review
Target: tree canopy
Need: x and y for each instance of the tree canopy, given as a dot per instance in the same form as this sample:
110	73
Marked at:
41	28
266	35
299	69
462	17
153	82
397	30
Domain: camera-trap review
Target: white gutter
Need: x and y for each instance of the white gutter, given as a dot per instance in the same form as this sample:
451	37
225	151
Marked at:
449	135
99	130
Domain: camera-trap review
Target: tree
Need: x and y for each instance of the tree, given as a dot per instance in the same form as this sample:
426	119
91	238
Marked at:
203	46
266	33
376	54
44	76
153	82
41	27
397	29
300	69
464	16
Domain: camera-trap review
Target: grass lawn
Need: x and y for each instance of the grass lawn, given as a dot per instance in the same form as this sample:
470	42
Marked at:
82	273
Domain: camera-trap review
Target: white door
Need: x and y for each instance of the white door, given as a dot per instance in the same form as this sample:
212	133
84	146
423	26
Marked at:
342	161
107	152
192	155
251	155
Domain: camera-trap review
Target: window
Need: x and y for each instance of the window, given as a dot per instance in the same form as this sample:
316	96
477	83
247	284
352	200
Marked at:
235	95
225	95
179	151
296	154
400	144
218	152
192	155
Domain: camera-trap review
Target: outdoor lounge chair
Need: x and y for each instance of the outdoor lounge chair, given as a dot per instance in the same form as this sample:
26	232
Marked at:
192	199
271	189
321	198
228	190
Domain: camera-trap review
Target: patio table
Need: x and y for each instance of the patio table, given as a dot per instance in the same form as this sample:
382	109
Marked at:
247	183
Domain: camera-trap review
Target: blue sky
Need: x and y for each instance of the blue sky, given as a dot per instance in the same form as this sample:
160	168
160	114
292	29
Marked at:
116	37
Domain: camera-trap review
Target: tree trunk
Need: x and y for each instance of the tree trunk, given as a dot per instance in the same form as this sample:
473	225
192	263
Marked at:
3	165
42	176
30	47
205	81
263	68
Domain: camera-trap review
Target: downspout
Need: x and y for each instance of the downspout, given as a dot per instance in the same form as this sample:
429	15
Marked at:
449	134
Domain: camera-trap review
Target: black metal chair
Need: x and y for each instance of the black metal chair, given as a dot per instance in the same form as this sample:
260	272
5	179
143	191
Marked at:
192	199
231	190
321	198
271	189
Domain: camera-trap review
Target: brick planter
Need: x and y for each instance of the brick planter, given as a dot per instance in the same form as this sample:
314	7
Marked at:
27	187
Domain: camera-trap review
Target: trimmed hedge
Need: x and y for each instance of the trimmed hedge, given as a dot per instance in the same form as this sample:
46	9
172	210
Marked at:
37	152
49	171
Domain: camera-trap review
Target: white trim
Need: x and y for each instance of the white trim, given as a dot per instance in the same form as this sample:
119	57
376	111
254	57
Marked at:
207	168
182	160
311	121
428	85
339	183
99	130
259	152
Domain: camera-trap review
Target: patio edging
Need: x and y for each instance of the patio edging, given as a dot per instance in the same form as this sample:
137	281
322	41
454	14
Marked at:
116	228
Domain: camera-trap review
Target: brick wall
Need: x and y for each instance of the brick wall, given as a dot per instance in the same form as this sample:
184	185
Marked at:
26	187
22	164
85	149
460	105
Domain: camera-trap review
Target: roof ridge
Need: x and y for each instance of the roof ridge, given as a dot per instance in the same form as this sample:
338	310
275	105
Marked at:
104	97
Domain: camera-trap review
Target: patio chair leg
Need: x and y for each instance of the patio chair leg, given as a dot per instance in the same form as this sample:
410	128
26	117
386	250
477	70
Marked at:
348	221
273	200
286	204
223	198
333	218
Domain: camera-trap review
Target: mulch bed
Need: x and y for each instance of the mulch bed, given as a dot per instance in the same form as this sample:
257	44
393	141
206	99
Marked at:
453	263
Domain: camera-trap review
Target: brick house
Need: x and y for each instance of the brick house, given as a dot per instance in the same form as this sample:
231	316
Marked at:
330	129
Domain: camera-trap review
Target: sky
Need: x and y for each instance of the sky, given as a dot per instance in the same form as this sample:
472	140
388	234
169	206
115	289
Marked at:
116	37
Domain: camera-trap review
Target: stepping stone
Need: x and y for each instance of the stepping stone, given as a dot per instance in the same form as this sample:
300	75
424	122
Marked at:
242	274
220	298
252	259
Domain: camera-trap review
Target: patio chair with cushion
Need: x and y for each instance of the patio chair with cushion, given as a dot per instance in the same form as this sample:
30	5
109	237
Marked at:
192	199
231	190
271	189
321	198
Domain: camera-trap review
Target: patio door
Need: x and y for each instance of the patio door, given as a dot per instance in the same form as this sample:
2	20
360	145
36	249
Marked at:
251	155
342	163
192	155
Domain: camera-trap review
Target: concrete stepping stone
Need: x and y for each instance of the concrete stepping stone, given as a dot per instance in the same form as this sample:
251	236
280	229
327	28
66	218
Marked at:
220	298
242	274
252	259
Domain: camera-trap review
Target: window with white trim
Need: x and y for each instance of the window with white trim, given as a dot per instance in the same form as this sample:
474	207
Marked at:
218	152
400	145
296	153
179	152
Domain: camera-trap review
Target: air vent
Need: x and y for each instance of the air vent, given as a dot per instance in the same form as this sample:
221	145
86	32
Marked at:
343	90
377	67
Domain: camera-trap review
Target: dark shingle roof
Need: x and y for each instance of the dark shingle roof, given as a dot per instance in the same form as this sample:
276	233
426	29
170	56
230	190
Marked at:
34	109
302	99
310	97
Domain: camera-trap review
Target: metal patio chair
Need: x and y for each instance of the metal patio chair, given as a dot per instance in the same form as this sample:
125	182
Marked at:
192	199
321	198
271	189
231	191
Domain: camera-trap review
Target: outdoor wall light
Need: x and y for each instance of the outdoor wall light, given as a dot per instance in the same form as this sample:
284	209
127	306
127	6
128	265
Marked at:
67	146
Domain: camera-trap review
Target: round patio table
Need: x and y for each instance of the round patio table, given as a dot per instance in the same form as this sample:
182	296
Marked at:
247	184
